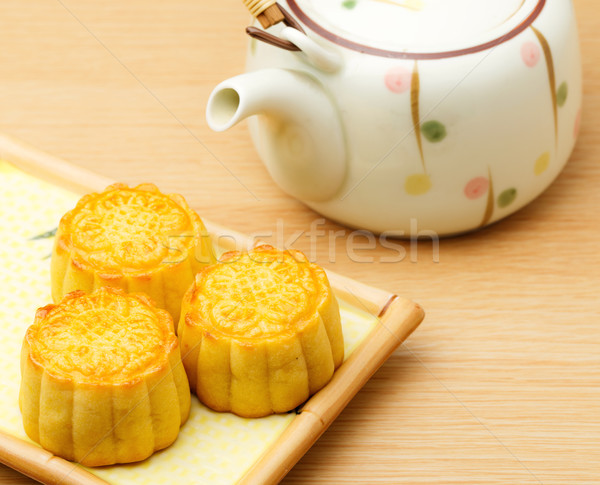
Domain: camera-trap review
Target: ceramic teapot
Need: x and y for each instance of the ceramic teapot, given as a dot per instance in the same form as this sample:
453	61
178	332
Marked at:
398	116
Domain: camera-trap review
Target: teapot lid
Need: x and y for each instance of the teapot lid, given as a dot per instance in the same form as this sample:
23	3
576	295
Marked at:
397	28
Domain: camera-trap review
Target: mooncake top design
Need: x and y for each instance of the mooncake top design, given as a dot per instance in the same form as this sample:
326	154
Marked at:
107	337
129	230
258	294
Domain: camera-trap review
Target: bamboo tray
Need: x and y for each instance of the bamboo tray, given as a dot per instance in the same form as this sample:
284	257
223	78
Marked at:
375	323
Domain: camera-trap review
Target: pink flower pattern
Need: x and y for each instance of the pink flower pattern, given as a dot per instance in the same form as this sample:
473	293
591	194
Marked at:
530	52
476	187
397	79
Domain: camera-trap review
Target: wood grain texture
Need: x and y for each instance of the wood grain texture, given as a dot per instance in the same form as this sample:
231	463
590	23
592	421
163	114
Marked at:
499	385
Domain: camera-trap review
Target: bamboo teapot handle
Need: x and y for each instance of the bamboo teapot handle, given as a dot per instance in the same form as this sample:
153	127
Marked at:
269	13
292	37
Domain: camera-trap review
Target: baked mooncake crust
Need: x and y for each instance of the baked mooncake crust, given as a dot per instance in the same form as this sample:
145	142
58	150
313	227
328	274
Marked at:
260	332
136	239
101	378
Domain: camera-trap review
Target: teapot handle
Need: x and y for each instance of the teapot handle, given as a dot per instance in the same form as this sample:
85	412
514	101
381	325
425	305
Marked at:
321	58
294	38
273	40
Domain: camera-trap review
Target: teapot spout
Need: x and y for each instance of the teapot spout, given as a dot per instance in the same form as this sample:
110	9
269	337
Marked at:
295	126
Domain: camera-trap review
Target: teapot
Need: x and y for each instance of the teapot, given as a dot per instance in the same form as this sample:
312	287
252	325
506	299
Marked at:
403	116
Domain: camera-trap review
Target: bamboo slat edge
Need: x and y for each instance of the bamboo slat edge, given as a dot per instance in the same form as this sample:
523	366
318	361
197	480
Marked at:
50	168
399	321
41	465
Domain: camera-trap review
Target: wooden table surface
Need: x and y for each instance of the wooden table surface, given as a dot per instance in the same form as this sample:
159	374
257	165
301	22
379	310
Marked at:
500	384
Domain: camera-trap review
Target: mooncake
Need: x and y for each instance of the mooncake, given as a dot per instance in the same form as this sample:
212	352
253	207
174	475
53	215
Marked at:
260	332
101	378
137	239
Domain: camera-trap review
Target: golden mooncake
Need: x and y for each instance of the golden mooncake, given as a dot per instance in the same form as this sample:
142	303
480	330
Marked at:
260	332
137	239
101	378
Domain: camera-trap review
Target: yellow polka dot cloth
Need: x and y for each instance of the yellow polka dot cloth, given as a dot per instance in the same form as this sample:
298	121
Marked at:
212	448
